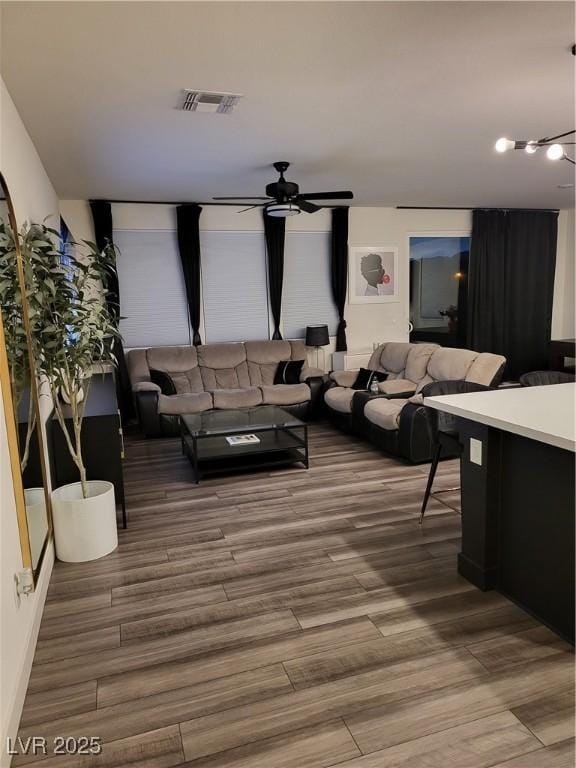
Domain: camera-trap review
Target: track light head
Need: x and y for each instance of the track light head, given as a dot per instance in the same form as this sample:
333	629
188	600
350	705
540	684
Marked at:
504	144
555	152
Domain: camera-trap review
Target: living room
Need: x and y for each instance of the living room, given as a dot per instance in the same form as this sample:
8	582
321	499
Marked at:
269	454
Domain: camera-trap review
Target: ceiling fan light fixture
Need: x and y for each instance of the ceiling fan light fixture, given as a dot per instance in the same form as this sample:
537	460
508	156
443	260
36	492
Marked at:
282	210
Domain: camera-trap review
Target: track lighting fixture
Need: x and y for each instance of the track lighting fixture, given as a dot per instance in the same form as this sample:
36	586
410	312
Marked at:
554	148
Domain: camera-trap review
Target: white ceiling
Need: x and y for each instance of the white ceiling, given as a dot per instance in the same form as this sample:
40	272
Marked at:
399	101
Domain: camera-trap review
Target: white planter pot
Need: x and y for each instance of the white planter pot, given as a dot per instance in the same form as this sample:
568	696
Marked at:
37	521
84	528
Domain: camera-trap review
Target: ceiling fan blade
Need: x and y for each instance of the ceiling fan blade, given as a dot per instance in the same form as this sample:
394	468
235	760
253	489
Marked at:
346	195
257	205
306	206
244	197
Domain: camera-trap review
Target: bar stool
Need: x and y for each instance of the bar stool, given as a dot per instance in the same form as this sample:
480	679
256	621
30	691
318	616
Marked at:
443	431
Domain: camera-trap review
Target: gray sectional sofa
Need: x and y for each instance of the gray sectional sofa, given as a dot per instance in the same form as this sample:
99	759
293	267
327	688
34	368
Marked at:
218	376
394	419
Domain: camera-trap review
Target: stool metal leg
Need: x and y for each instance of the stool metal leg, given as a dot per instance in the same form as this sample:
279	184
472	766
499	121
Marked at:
431	476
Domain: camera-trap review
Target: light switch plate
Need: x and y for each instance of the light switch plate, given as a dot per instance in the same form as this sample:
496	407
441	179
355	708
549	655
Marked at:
476	451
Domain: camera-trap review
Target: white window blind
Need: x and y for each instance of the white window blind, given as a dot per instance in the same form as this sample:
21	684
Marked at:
307	293
234	286
152	293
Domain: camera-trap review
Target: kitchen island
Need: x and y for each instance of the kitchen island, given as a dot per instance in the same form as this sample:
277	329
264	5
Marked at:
518	495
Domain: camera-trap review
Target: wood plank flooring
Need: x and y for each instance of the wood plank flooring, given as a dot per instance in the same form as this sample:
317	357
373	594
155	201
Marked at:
293	619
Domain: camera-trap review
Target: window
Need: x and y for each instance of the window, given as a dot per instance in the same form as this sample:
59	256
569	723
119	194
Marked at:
438	288
153	306
234	286
307	293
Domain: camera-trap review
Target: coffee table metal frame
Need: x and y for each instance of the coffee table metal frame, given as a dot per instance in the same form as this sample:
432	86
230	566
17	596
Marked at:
283	440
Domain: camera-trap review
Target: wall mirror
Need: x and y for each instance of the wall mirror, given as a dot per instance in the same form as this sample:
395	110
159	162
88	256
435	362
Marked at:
20	395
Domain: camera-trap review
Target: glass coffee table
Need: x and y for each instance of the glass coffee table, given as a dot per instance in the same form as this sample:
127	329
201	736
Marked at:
213	440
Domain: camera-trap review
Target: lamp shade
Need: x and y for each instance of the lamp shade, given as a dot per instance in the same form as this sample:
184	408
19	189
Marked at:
317	336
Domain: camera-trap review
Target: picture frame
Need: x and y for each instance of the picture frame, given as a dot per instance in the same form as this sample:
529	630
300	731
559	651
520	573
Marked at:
373	274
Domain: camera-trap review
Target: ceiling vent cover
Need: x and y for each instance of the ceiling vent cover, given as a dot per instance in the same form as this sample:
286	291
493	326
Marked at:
209	101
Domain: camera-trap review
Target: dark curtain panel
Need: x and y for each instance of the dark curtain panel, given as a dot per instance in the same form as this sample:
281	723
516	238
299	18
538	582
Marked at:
274	232
188	223
512	266
102	218
339	266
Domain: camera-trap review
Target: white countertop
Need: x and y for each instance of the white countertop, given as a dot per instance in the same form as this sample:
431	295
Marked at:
546	414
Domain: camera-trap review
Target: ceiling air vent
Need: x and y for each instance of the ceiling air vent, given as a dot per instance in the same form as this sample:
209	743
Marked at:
209	101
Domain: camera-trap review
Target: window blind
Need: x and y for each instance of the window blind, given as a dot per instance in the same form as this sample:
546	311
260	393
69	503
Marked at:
153	304
234	286
307	295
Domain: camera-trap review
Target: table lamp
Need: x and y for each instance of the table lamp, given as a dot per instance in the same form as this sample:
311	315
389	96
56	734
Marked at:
317	336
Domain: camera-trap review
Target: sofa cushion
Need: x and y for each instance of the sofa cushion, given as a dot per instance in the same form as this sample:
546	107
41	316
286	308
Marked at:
226	399
285	394
340	399
417	361
397	386
288	372
137	365
221	355
486	368
172	359
263	358
394	355
225	378
187	381
344	378
187	403
383	412
266	352
448	364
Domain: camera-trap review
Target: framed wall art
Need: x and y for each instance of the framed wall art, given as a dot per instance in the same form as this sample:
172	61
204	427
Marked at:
373	274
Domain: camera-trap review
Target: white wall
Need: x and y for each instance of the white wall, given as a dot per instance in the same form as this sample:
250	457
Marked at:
34	198
368	226
563	320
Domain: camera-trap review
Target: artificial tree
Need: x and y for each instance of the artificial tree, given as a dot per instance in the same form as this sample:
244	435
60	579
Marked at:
17	349
75	329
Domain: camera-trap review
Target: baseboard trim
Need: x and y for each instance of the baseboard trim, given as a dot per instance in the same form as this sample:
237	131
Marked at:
15	713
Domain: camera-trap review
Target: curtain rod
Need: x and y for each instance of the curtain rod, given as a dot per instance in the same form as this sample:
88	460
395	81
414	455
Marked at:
180	202
160	202
477	208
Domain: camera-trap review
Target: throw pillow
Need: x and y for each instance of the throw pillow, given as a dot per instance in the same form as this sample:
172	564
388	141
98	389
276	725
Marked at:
163	380
288	372
365	378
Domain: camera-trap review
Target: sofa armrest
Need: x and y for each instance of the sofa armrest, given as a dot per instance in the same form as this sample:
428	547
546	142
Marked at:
146	386
414	441
359	400
344	378
147	408
310	373
397	388
317	385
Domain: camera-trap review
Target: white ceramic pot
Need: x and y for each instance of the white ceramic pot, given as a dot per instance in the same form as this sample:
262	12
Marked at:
37	521
84	528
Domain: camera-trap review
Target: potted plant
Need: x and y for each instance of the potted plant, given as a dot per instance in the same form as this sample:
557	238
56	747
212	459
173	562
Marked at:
15	335
451	313
75	332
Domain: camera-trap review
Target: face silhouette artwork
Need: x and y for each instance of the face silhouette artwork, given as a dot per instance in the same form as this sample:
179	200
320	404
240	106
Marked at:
373	272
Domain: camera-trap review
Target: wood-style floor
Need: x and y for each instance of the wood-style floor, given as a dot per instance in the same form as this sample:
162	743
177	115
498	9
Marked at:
293	619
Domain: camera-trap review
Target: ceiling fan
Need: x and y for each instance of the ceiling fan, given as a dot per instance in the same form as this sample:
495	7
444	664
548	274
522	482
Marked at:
283	198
